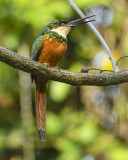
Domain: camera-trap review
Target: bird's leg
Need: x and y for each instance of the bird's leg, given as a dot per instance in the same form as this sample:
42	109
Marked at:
58	68
47	66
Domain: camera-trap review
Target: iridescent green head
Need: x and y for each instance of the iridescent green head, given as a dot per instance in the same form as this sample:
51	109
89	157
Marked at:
63	27
58	26
54	24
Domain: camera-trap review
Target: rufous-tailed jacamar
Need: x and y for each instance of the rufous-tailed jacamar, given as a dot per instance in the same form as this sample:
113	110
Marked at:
49	48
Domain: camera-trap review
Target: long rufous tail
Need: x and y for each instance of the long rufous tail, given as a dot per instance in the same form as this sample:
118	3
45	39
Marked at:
41	107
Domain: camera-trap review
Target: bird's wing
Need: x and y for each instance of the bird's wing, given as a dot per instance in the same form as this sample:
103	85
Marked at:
36	50
37	47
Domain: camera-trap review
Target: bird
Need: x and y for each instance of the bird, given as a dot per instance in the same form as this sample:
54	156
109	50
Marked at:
49	48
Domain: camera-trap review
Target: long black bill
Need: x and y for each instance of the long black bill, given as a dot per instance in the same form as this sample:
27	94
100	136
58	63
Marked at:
80	21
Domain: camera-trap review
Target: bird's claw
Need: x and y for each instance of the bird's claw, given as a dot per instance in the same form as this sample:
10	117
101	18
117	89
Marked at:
58	68
47	66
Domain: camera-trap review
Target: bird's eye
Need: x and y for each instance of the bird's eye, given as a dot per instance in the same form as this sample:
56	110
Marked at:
59	23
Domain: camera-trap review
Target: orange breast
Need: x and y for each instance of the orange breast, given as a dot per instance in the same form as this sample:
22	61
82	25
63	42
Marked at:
52	52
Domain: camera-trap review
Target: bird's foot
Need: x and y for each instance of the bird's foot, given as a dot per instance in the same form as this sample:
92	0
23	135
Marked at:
58	68
47	66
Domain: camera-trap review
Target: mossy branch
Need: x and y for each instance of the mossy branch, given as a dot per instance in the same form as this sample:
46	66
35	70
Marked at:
33	67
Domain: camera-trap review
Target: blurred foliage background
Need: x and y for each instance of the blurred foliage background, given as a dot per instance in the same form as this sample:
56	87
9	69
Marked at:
83	123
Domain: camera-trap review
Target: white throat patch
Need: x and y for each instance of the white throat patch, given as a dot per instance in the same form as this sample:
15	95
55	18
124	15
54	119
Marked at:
62	31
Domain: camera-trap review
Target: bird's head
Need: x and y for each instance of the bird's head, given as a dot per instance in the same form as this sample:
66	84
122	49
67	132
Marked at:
63	27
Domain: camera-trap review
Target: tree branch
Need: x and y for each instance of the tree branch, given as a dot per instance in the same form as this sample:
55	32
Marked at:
33	67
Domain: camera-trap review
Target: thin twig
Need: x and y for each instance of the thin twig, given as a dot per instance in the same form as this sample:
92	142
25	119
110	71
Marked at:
97	34
120	59
101	70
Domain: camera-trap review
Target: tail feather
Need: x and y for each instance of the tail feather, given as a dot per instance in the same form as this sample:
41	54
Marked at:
41	107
